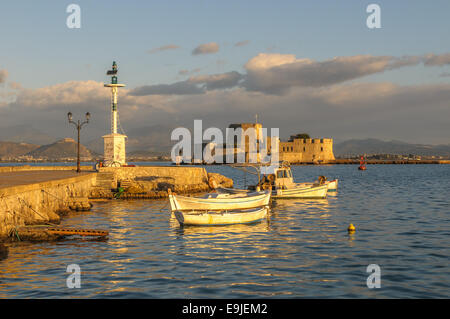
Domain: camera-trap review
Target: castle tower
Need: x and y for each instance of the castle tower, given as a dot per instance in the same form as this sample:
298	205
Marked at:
114	143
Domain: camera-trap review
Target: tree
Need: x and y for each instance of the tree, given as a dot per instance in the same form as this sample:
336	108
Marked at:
302	135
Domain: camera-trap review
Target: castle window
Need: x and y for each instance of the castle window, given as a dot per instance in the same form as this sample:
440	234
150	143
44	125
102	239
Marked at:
292	148
321	149
304	149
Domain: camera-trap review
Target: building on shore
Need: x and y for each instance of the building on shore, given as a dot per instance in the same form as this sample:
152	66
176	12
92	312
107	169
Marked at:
247	148
307	150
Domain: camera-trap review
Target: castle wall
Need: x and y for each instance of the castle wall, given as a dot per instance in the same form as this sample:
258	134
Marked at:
296	150
307	150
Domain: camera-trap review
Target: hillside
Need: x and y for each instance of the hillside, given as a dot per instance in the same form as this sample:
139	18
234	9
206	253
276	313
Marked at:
63	149
375	146
152	139
13	150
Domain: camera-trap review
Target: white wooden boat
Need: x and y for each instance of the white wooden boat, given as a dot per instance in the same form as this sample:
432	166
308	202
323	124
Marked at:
218	218
332	185
299	191
279	179
220	201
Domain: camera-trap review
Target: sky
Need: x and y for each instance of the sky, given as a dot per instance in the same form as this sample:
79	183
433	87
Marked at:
302	66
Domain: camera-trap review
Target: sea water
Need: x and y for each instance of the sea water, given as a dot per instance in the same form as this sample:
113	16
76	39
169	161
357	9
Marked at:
401	214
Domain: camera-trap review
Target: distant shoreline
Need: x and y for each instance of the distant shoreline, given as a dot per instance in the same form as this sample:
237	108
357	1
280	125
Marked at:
335	162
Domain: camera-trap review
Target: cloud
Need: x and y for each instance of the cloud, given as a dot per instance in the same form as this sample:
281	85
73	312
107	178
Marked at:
45	108
15	86
277	73
437	60
207	48
187	72
177	88
381	110
194	85
164	48
3	76
303	97
274	73
218	81
242	43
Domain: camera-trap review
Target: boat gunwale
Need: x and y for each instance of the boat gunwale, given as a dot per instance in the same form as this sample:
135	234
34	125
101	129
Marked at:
218	211
263	210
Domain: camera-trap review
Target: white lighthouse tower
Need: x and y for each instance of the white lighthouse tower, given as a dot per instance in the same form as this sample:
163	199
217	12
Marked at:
114	143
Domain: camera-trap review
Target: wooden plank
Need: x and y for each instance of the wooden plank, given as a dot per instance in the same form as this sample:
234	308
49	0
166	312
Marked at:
80	232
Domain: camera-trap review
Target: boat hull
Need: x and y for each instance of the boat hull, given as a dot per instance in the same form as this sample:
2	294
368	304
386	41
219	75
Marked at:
332	185
221	218
220	201
301	192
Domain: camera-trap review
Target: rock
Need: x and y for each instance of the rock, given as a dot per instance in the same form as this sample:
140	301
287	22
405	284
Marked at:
135	188
218	180
30	233
3	251
62	212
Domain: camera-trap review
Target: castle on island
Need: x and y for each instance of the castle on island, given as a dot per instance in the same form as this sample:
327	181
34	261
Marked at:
307	150
296	150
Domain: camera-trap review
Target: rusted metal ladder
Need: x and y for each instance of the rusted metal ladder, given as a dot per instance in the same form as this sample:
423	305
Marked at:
76	231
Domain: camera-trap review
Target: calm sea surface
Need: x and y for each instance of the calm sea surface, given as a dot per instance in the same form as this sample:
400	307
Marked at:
401	214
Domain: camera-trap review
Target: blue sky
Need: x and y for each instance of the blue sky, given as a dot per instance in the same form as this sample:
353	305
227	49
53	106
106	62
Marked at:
36	40
38	50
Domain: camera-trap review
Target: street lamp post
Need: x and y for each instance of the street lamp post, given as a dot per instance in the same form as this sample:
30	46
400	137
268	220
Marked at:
78	126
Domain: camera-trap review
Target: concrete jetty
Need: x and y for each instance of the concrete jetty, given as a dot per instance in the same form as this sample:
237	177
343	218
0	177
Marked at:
30	197
42	195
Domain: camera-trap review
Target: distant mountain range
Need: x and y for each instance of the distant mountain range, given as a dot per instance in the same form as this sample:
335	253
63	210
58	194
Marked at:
155	141
60	150
65	148
375	146
12	149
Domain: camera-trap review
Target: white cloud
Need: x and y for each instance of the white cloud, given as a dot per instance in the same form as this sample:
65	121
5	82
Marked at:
3	76
242	43
207	48
164	48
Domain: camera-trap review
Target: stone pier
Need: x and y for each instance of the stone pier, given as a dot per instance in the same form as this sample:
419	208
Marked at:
39	195
154	181
31	197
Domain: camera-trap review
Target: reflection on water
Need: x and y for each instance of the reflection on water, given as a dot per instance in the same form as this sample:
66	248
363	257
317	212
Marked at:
302	249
